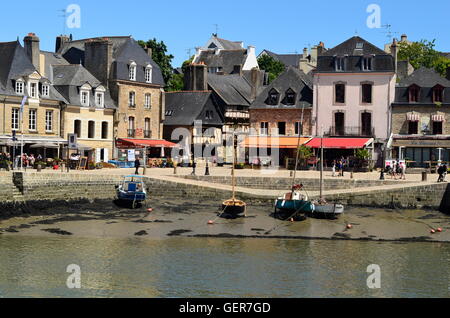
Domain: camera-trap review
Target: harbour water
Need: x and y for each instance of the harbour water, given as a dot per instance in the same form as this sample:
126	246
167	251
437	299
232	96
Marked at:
220	267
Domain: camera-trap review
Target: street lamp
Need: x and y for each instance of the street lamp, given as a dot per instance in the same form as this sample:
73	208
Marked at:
383	151
207	166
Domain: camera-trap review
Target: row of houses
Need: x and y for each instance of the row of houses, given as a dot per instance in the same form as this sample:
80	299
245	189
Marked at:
110	93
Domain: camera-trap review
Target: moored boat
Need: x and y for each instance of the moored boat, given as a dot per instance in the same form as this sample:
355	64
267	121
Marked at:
132	190
294	202
327	210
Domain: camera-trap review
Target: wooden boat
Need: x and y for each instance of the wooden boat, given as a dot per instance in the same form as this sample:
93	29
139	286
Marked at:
132	190
294	202
233	207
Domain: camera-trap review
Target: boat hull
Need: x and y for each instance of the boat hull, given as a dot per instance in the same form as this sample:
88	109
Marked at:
293	206
327	211
233	208
131	197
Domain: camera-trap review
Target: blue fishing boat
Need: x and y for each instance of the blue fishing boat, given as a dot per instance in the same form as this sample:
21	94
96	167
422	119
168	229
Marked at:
132	190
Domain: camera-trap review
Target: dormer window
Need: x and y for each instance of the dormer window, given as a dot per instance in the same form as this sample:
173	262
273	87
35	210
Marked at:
85	98
100	97
132	74
339	63
20	87
414	93
290	97
45	91
367	63
33	89
438	94
148	74
273	97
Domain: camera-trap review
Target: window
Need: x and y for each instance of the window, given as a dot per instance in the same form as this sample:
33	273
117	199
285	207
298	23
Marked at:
19	87
148	74
147	130
15	119
84	98
148	101
298	128
340	64
273	97
282	128
209	114
33	90
131	130
32	116
290	97
438	94
91	129
414	92
413	127
367	93
49	121
45	90
437	128
104	130
169	113
132	73
339	124
132	99
339	93
366	124
100	99
367	63
264	128
77	128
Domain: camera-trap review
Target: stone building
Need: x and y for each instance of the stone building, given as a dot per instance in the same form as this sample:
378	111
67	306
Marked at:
283	110
134	80
354	86
420	116
22	73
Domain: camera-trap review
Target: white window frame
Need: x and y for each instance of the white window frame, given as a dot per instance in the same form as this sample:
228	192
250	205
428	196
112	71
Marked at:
132	71
148	101
100	99
20	87
32	119
340	63
148	74
33	89
84	101
132	99
45	90
15	119
367	63
49	121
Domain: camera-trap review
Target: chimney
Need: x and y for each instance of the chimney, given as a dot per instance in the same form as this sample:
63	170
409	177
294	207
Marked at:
255	81
98	58
251	50
60	42
31	42
404	38
237	69
196	77
149	51
305	52
394	53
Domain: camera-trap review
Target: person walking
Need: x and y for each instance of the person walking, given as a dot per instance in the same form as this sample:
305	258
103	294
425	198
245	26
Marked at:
137	165
334	168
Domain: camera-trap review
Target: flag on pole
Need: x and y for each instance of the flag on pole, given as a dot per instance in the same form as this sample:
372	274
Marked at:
22	106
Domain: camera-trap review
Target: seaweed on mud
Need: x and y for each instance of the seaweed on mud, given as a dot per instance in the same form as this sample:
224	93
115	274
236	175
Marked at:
258	230
178	232
427	217
141	233
162	221
142	221
57	231
12	229
342	235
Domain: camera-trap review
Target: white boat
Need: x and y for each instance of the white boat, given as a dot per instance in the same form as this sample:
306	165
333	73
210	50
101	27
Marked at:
327	210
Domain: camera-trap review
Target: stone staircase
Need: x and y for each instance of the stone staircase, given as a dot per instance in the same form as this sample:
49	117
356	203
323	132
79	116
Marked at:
8	191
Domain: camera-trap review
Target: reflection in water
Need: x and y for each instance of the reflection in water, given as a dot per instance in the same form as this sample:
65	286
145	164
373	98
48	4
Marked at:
183	267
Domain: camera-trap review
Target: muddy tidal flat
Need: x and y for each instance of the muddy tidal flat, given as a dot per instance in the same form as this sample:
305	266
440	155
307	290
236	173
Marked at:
189	218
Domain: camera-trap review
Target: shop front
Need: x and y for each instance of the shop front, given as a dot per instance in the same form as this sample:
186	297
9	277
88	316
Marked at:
422	152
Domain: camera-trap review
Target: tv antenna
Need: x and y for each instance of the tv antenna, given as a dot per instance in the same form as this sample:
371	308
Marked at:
217	29
64	16
189	51
389	33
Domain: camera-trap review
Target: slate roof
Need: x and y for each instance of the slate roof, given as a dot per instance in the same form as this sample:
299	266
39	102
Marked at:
424	77
286	59
15	64
226	59
293	79
229	45
445	54
125	49
232	89
68	79
186	107
351	48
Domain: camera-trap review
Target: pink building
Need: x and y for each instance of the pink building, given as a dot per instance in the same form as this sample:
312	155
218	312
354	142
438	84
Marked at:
354	86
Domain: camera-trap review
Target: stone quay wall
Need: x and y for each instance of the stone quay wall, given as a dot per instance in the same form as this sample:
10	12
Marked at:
270	183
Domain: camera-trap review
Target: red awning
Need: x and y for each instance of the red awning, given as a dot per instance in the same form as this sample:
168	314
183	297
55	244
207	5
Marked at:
141	143
340	143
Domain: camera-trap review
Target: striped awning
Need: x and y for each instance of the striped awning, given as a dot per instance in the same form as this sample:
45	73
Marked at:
438	118
413	117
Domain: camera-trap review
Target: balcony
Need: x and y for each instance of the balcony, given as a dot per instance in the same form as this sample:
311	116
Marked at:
147	134
350	132
131	133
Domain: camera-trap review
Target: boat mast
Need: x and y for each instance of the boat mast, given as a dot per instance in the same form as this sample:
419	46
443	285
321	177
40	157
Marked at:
233	176
298	147
321	166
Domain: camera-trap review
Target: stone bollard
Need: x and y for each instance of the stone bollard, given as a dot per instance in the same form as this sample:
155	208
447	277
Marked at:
424	176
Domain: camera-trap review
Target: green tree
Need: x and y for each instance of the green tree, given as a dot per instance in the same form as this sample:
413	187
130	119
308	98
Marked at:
271	66
422	54
160	56
176	83
304	153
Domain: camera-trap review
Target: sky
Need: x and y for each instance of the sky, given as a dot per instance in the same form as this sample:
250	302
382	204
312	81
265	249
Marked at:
281	26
